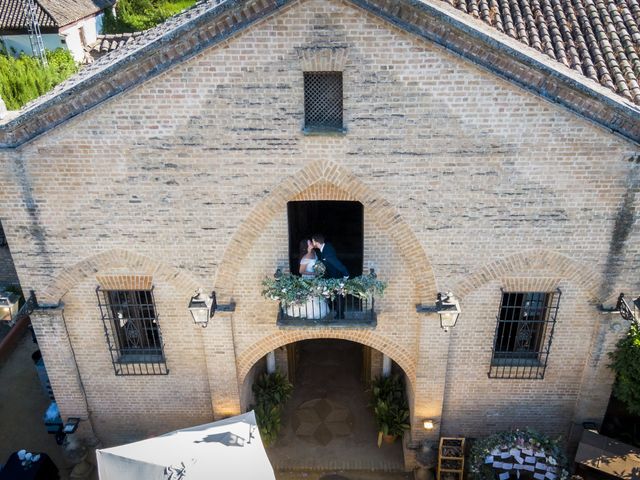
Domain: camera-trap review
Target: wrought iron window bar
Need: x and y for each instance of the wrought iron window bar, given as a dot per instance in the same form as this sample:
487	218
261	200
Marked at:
347	311
524	332
132	330
323	101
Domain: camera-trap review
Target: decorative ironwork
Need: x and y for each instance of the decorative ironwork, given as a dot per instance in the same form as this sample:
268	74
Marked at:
626	312
346	310
323	100
132	331
524	332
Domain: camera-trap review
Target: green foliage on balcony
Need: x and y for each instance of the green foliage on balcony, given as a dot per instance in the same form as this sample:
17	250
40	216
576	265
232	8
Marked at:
294	290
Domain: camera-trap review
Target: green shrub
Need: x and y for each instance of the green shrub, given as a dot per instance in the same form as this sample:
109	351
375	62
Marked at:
138	15
23	79
271	391
390	406
626	363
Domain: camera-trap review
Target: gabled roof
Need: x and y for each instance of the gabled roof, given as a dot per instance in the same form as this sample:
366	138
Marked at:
598	38
479	40
50	13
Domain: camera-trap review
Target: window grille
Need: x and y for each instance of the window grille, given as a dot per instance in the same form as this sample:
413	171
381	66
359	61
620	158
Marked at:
323	100
524	331
132	331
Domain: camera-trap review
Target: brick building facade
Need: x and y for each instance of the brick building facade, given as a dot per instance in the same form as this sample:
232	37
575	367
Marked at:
174	168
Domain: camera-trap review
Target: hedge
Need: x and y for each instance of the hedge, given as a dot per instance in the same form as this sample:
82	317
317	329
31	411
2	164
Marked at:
23	79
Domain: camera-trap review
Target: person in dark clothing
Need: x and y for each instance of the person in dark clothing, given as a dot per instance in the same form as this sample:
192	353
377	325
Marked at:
335	268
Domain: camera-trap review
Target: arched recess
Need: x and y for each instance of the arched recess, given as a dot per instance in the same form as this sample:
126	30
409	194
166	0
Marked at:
537	262
326	180
250	356
115	259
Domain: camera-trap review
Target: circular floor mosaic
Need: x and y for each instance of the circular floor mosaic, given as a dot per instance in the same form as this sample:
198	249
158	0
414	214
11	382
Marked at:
321	420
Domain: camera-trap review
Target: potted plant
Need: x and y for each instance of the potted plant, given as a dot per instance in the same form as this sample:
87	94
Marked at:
391	419
390	408
271	393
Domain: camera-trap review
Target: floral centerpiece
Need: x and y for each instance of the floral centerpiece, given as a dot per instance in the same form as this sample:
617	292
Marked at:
519	453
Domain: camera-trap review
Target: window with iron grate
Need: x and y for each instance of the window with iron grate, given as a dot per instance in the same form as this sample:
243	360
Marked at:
132	330
323	101
524	331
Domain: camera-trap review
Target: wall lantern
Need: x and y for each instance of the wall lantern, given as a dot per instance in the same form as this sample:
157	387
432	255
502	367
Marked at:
447	307
626	312
623	308
449	310
202	307
71	426
9	306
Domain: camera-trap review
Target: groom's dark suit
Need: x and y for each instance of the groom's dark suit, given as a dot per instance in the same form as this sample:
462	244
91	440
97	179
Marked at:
335	268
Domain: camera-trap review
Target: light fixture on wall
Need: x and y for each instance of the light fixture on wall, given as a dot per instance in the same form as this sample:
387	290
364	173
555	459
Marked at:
447	307
429	424
623	308
9	306
449	310
202	307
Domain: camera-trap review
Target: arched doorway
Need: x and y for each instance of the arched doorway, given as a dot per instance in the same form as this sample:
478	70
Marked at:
328	423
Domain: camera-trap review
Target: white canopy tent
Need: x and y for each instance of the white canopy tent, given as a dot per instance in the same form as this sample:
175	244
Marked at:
227	449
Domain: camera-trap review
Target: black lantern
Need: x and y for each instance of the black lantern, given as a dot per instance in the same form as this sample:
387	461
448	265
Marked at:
448	309
202	308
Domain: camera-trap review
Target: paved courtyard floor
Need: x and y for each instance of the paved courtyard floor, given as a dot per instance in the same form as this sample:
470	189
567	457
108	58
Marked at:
327	423
22	405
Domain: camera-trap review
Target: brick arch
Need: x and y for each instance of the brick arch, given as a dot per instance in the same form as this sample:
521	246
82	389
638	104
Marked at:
539	261
116	258
250	356
327	181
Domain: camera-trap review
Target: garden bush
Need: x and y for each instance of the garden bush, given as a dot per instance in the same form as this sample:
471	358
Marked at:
626	363
138	15
23	79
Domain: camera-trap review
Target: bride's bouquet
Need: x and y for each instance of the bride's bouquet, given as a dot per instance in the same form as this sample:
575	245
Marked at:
319	269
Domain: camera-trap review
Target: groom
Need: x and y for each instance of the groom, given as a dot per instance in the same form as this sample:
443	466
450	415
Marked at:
335	268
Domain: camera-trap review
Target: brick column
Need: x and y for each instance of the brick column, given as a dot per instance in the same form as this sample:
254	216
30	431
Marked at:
431	373
220	357
60	362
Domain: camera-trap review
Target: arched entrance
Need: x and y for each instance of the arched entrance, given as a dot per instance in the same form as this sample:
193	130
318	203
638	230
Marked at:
328	423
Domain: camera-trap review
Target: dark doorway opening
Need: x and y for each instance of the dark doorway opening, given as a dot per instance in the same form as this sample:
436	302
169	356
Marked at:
342	224
328	422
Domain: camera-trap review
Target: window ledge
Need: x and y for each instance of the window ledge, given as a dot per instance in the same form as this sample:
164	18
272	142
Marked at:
324	131
516	362
140	358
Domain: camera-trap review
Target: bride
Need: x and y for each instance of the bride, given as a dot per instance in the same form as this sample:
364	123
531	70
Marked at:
316	307
308	259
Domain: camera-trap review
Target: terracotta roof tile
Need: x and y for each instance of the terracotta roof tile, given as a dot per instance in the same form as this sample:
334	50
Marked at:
598	38
51	13
12	16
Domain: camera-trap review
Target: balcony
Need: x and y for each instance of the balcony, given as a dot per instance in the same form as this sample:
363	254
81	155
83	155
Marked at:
322	303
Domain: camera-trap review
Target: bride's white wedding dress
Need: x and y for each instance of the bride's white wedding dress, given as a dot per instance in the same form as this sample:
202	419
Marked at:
316	307
308	269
